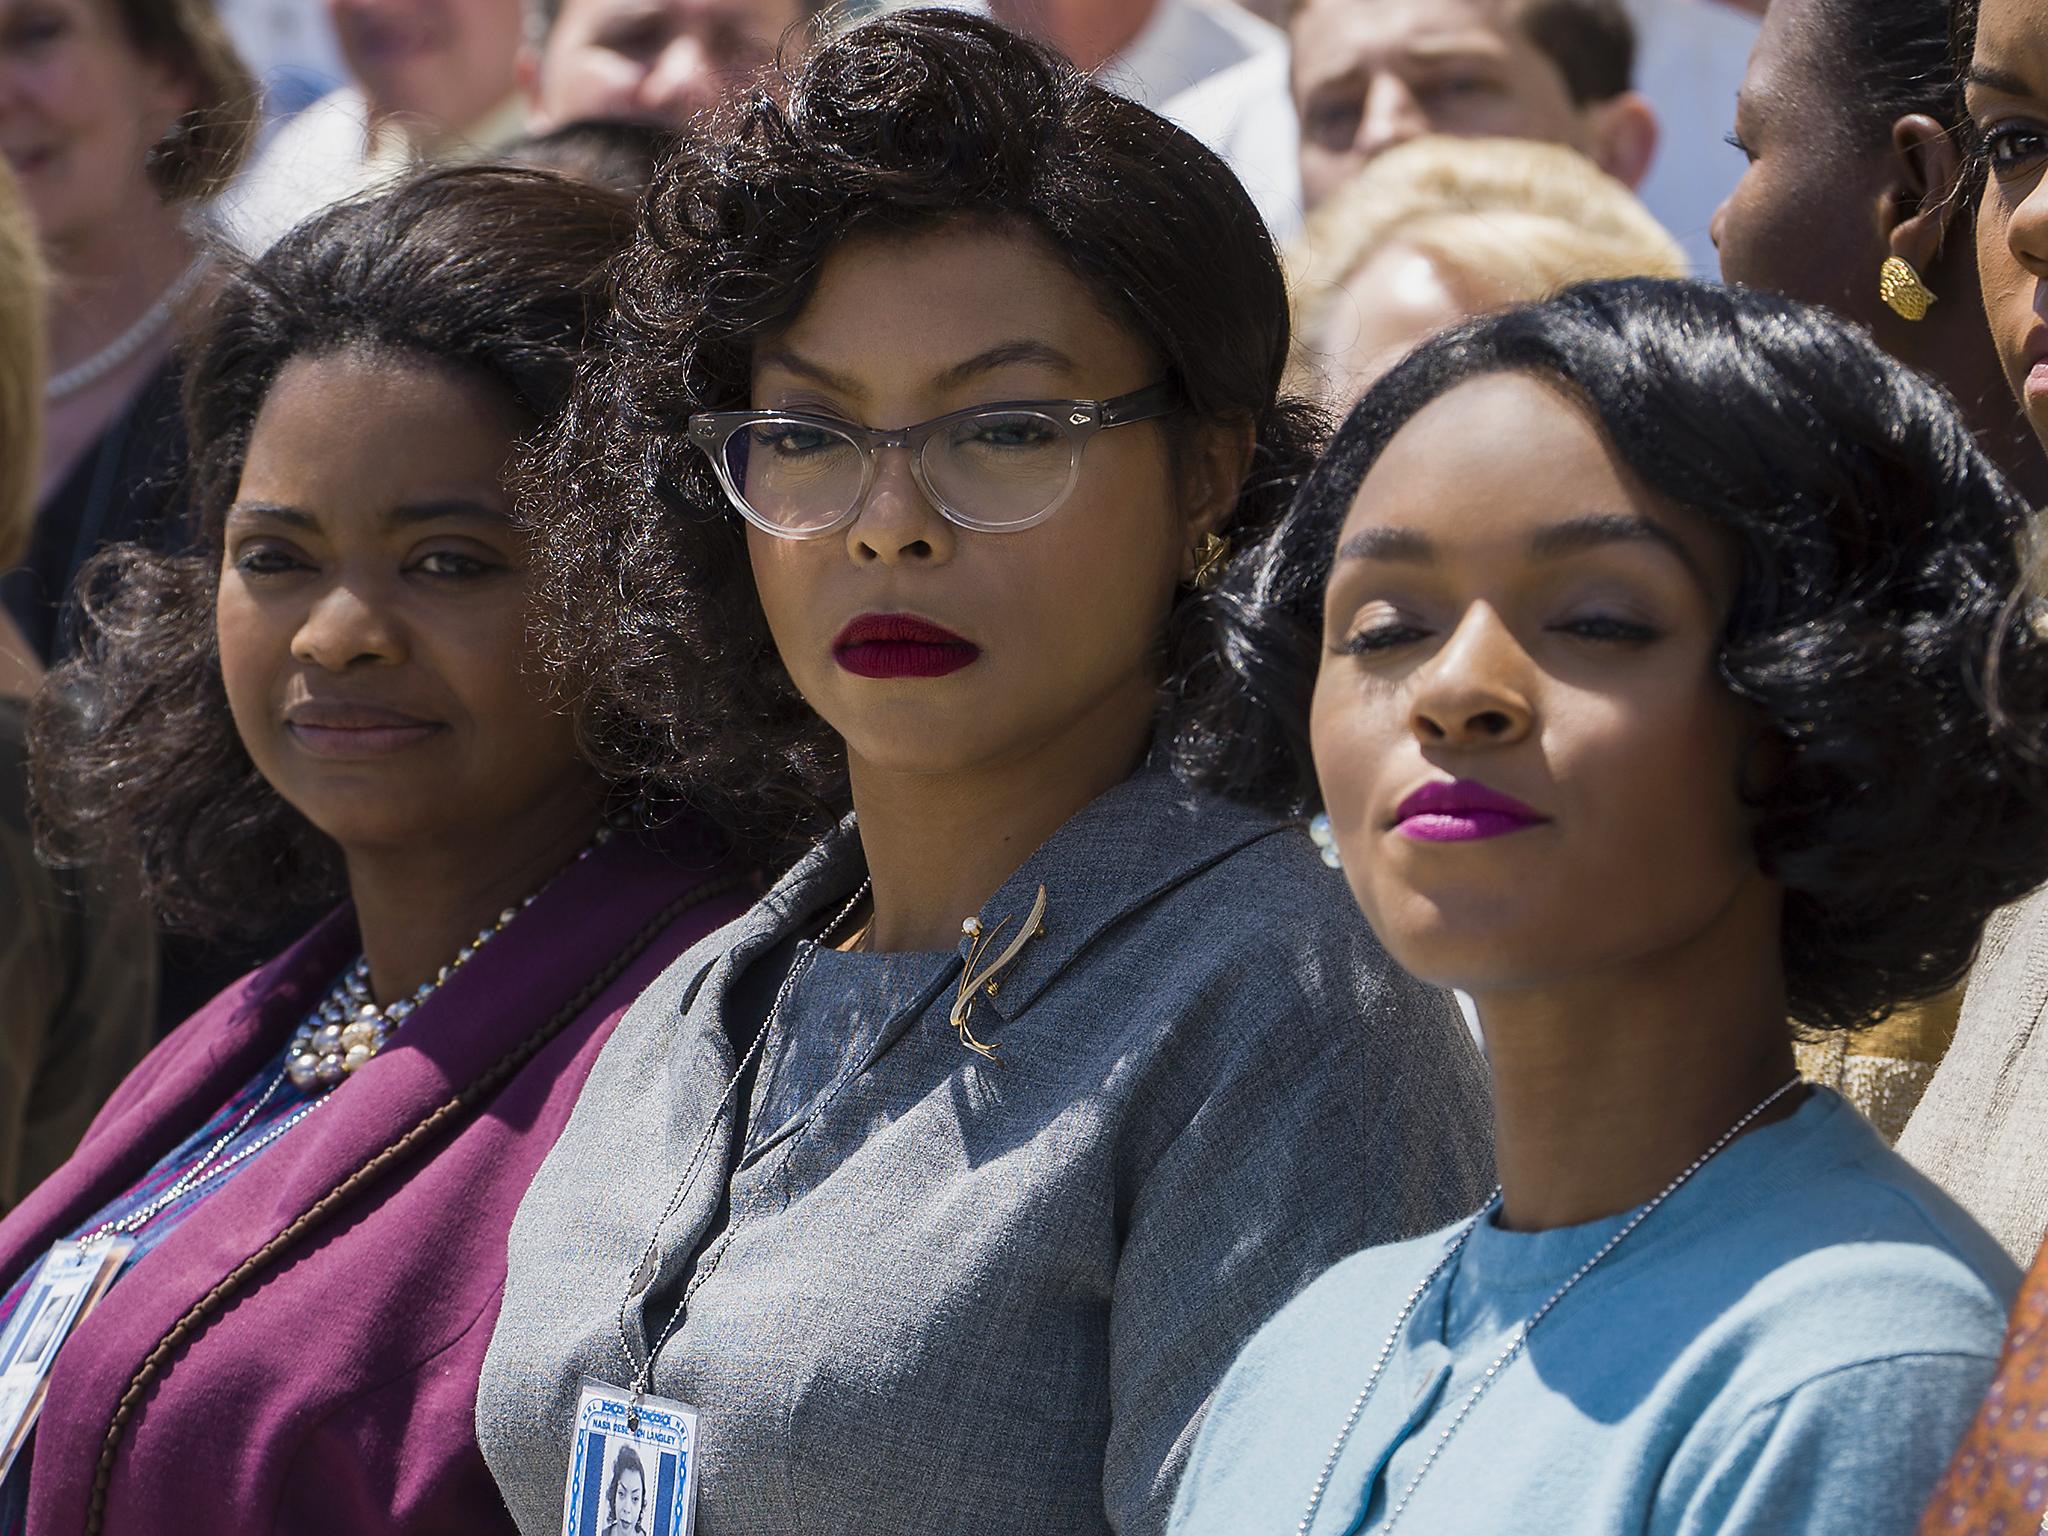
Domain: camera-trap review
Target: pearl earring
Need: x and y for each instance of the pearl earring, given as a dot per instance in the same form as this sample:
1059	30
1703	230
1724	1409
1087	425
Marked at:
1320	834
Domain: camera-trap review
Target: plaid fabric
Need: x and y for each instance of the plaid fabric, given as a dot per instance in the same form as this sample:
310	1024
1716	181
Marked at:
78	970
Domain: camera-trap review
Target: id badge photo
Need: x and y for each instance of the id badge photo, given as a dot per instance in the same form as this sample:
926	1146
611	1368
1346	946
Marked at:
632	1465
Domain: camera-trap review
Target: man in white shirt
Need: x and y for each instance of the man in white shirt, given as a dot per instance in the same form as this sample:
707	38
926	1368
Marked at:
429	80
1689	59
1206	64
1370	74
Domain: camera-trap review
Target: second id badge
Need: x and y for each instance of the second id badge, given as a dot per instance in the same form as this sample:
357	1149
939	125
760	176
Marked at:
68	1283
632	1465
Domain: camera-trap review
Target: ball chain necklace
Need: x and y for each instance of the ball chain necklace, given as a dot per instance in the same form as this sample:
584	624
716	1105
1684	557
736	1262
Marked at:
1521	1335
643	1272
83	375
319	1060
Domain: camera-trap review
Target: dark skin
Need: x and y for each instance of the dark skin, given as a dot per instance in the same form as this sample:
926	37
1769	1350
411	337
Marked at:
1510	607
372	619
1818	211
958	779
2007	95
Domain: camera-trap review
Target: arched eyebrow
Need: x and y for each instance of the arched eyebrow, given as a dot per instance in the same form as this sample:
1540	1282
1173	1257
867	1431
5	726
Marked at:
405	516
1577	534
273	512
448	508
1397	546
1405	546
2002	81
1002	355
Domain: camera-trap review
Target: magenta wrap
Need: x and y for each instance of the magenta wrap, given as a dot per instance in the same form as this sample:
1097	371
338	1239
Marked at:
331	1386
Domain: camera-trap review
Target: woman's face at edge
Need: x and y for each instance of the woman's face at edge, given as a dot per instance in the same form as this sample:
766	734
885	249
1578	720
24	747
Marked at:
1803	220
1533	622
79	111
373	608
2007	96
1063	618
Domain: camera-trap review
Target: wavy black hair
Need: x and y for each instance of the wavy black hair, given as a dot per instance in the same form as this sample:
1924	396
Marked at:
1879	554
136	760
904	124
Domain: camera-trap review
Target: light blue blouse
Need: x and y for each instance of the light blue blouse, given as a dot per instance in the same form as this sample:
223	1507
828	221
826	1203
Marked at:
1794	1342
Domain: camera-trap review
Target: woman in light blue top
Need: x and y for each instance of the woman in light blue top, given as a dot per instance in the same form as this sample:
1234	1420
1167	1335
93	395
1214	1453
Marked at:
1654	624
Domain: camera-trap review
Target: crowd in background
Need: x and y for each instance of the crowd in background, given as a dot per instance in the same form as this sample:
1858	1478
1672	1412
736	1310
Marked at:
1039	764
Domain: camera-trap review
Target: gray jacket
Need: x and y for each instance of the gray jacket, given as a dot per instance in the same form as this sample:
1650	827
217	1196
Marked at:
959	1297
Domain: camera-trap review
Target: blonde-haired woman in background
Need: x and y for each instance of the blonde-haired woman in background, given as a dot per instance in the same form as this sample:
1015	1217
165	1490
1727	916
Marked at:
1440	229
77	966
120	120
117	116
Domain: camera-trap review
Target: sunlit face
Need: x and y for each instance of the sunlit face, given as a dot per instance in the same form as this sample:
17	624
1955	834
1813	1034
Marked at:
444	63
1370	74
1529	761
80	110
628	1494
373	610
1058	622
1394	302
656	61
2007	95
1805	219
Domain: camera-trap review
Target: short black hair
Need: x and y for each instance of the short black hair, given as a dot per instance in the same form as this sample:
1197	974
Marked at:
1592	43
905	124
1886	59
492	270
1879	552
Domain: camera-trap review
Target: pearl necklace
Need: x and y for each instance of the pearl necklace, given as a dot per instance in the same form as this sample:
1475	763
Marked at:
1521	1335
154	319
327	1069
350	1027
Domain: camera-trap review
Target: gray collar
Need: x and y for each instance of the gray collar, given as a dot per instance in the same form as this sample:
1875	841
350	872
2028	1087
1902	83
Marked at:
1117	854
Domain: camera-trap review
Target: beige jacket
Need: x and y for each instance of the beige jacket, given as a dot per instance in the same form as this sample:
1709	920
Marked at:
77	990
1981	1130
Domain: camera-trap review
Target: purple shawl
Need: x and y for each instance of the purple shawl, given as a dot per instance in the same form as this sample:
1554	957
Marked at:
330	1386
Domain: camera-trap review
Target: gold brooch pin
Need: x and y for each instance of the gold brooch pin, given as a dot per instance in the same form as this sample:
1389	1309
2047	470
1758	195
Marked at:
977	980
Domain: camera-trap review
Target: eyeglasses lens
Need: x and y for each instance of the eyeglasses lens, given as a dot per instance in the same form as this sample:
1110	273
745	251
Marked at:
794	474
995	468
1000	467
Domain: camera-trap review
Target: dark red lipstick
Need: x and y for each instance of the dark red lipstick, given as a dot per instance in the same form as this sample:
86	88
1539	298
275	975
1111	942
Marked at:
1462	811
901	645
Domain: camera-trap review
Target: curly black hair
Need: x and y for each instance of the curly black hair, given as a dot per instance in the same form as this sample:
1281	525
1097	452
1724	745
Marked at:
136	761
1879	554
903	124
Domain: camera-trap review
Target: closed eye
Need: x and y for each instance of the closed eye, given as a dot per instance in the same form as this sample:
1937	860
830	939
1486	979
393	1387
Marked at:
1605	628
1377	638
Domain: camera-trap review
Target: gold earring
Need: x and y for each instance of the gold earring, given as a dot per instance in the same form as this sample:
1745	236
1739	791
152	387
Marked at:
1210	555
1900	287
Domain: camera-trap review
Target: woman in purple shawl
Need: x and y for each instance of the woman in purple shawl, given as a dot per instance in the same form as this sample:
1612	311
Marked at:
302	1196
